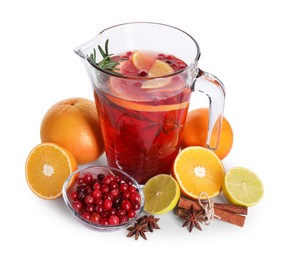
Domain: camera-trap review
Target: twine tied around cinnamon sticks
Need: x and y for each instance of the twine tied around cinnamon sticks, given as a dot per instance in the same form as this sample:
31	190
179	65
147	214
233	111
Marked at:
208	208
225	212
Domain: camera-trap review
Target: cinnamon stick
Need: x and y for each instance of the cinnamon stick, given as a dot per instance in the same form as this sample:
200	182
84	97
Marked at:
226	212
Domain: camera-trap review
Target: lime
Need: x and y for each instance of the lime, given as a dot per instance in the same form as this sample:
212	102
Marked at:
162	193
242	187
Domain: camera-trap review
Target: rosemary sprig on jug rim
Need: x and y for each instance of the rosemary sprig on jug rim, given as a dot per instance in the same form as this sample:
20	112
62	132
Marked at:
106	63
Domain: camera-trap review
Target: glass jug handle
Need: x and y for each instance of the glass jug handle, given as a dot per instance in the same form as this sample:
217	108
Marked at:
211	86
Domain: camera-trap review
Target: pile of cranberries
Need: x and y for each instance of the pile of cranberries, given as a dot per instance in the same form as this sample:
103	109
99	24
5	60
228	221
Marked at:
105	199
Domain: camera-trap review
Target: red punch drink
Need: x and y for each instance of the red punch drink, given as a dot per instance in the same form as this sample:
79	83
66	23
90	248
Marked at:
142	86
142	115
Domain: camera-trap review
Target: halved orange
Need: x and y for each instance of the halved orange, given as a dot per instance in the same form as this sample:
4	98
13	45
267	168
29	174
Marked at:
198	169
47	167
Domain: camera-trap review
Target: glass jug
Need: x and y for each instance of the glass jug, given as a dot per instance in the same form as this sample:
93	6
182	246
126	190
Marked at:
142	117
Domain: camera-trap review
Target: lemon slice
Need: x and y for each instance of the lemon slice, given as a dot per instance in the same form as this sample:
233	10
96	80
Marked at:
158	69
142	61
242	187
161	193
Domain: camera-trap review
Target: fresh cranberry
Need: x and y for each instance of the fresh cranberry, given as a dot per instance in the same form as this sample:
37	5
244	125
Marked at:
136	205
134	197
161	56
77	205
126	204
88	190
126	195
95	217
143	73
123	219
105	188
96	193
90	208
81	195
128	54
108	196
114	192
87	178
123	187
86	215
131	213
106	180
99	209
107	204
100	176
98	201
121	212
112	211
74	195
104	221
89	199
80	181
113	185
114	220
104	214
118	179
96	185
132	189
81	188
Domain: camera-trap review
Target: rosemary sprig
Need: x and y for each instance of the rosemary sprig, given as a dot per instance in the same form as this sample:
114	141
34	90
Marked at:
106	63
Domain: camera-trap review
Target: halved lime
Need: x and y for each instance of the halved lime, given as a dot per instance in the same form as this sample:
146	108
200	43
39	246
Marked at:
162	193
242	187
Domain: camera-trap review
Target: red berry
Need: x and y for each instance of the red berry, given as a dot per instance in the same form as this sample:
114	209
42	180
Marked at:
135	197
74	195
105	188
132	189
80	181
112	211
107	204
123	219
96	185
90	208
95	217
136	205
114	192
123	187
86	215
89	199
131	213
87	178
121	212
114	220
113	185
100	176
126	195
77	205
104	221
96	193
126	204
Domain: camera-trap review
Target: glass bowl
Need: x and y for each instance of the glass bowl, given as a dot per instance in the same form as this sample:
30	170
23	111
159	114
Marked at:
70	186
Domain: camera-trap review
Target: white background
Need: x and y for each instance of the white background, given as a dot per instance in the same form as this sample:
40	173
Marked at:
241	43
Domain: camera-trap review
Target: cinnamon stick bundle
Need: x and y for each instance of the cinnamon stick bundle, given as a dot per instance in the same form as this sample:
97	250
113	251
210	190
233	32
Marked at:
226	212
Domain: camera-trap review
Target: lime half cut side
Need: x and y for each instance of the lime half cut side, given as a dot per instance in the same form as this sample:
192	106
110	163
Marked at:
161	193
242	187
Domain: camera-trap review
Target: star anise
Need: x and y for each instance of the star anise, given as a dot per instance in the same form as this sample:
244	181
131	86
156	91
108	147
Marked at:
142	225
151	222
138	230
192	218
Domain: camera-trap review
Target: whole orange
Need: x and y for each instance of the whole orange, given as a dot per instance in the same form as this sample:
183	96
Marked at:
196	128
73	123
